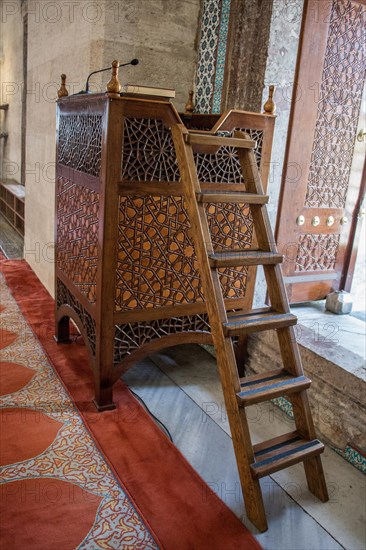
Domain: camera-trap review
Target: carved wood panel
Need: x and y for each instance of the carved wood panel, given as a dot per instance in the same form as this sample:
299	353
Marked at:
77	235
149	154
131	336
317	252
224	166
80	142
156	260
320	193
340	94
148	151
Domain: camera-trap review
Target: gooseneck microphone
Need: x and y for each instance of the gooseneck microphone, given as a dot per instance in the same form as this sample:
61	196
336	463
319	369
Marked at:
86	91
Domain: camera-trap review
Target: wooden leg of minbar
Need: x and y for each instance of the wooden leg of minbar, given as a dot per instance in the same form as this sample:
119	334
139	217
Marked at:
103	400
62	332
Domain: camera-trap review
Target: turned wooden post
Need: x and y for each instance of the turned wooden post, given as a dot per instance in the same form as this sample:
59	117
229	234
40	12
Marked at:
62	92
114	85
270	105
189	108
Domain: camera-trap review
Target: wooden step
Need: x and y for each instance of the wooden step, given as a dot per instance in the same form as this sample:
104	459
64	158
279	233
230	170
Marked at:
247	323
263	387
219	141
231	258
281	452
231	197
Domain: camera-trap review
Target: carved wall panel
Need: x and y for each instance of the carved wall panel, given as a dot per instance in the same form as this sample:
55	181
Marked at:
65	297
77	235
80	142
340	95
317	252
130	337
156	259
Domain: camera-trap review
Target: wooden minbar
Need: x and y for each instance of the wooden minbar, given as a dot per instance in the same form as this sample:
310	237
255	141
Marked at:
161	220
126	269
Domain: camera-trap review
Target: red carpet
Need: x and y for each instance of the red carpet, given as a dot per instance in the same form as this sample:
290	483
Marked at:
173	504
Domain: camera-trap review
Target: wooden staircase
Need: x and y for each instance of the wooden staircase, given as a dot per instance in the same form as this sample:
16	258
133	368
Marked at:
301	445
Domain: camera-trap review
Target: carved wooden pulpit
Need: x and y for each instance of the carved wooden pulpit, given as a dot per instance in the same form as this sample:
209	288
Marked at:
155	246
126	269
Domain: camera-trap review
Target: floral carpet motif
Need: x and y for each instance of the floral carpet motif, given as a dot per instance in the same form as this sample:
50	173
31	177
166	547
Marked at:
67	468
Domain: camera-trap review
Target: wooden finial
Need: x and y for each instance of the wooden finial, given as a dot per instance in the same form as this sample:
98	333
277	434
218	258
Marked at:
270	106
114	86
63	91
189	108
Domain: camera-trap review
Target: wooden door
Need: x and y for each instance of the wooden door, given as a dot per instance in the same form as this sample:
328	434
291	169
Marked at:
318	206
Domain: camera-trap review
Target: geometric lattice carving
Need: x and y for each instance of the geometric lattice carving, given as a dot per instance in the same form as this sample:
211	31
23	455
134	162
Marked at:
148	151
77	235
64	297
129	337
156	260
224	166
80	142
317	252
149	155
340	96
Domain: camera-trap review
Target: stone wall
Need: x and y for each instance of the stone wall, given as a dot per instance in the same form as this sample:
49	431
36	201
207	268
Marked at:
247	52
162	34
60	40
11	81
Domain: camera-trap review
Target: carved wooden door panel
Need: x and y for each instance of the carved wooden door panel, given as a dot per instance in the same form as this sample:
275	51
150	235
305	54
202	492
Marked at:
317	205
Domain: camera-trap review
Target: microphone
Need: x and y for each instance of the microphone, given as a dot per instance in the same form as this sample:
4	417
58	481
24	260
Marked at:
86	91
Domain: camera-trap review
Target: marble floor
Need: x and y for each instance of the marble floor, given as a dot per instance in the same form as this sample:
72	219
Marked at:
181	387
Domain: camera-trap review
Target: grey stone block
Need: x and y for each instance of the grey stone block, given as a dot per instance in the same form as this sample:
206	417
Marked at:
339	302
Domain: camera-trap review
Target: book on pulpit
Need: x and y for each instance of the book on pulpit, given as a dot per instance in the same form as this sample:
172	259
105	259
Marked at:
138	89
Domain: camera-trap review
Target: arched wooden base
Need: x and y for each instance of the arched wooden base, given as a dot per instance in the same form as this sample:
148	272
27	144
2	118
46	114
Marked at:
104	389
62	329
162	343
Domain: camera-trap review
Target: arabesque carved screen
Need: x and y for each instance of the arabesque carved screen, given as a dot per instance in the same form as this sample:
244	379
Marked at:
80	142
149	155
156	263
317	252
77	235
156	260
340	95
148	151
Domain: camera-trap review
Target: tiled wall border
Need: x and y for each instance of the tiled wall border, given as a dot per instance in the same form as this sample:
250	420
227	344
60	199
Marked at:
212	55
